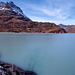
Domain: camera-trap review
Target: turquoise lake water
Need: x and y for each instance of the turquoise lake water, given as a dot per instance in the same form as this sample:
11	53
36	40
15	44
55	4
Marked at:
43	53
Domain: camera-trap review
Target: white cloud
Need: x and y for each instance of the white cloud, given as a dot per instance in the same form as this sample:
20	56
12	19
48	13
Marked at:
57	13
57	10
41	19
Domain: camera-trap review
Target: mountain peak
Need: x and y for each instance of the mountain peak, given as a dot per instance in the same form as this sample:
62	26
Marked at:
12	7
11	2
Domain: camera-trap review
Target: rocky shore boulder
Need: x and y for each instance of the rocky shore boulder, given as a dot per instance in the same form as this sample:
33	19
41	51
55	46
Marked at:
8	69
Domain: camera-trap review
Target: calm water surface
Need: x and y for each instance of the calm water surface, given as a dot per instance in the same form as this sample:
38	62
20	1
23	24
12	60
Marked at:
45	54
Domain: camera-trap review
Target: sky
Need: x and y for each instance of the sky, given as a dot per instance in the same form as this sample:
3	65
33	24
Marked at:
56	11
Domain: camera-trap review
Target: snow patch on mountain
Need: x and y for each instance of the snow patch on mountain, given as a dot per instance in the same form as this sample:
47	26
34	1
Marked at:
11	6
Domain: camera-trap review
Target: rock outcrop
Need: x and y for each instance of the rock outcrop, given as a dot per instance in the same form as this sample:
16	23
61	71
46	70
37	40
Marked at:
8	69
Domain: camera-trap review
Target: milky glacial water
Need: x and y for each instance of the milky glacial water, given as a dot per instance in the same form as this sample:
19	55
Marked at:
43	53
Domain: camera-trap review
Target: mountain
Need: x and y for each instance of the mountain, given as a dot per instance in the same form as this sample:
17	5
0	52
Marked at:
68	28
71	29
12	19
9	9
65	26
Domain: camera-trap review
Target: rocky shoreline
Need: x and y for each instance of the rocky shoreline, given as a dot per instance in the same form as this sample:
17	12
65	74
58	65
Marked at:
8	69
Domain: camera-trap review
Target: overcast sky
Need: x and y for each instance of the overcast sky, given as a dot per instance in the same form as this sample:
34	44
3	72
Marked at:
57	11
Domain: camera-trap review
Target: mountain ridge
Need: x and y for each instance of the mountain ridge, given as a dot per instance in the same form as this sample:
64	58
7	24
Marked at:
13	21
68	28
11	6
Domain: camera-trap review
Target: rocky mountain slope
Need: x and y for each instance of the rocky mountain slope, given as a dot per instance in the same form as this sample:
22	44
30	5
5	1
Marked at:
71	29
9	9
68	28
12	19
65	26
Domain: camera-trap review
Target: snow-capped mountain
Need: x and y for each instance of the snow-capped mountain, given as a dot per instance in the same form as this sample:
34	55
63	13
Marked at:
12	19
12	7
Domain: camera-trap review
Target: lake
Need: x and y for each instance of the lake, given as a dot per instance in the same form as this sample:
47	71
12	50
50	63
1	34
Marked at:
43	53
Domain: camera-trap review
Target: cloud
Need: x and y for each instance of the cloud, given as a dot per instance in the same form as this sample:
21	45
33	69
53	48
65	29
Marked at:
58	11
41	19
